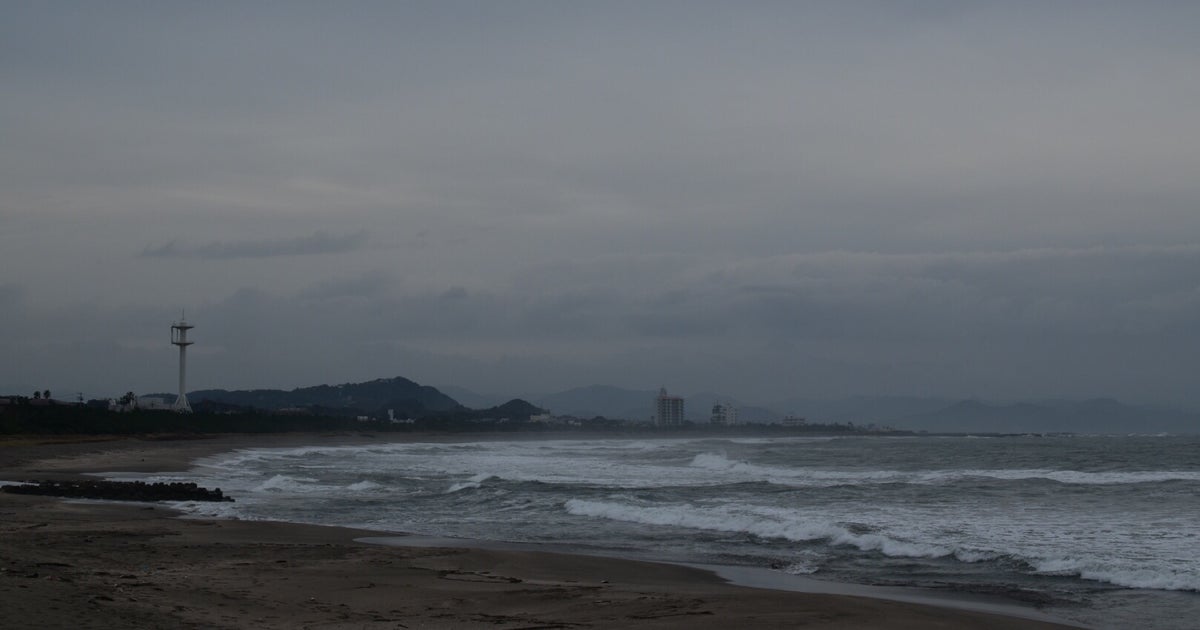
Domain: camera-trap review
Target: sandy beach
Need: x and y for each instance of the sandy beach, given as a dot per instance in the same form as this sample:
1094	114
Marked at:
108	565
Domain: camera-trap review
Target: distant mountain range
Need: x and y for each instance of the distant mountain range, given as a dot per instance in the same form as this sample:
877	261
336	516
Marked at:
601	400
861	409
408	398
900	412
475	400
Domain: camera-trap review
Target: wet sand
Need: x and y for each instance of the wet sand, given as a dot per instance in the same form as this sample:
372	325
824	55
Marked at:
105	565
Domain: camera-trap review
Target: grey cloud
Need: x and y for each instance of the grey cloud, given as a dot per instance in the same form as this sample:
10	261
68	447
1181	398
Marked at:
1070	291
12	308
318	243
1021	323
11	294
839	295
897	300
919	198
366	285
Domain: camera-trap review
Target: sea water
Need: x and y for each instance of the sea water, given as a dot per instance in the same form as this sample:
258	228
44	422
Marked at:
1101	530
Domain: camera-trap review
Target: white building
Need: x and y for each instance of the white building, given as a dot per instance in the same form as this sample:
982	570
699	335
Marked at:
724	414
668	409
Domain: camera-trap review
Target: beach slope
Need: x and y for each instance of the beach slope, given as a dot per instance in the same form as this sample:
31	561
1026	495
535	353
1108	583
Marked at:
107	565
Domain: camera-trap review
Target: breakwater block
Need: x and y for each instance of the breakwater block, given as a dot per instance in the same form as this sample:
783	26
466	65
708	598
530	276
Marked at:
119	490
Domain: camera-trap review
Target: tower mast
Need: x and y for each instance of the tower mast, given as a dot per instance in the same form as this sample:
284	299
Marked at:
179	338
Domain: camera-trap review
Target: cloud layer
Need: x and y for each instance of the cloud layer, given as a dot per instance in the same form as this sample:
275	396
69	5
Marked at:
764	200
317	243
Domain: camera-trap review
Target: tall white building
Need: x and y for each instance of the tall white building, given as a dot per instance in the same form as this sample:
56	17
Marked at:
668	410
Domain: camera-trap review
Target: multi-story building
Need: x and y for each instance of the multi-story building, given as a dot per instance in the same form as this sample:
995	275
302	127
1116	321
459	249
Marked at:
668	410
724	415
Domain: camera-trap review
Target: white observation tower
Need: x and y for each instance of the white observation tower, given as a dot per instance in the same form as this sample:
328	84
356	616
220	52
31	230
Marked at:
179	338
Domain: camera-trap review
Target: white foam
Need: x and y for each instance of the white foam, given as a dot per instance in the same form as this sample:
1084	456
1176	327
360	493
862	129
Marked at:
819	477
284	483
974	555
802	568
473	482
210	509
781	524
1079	477
1100	542
1105	570
745	471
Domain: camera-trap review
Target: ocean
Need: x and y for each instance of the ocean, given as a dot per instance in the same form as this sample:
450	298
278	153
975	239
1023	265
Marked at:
1099	530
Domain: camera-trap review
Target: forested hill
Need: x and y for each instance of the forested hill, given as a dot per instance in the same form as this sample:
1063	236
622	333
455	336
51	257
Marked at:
400	394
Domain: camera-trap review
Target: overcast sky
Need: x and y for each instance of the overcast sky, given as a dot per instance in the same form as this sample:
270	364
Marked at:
761	199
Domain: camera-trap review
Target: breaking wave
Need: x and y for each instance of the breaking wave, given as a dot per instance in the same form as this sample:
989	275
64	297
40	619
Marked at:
284	483
1164	578
818	477
473	482
726	520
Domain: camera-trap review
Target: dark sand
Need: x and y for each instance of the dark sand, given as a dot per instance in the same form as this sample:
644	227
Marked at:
105	565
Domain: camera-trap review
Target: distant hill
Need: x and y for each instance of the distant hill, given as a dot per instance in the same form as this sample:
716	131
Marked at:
515	409
474	400
884	410
400	394
1101	415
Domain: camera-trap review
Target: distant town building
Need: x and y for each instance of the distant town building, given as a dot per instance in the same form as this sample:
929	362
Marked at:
724	415
668	409
794	421
154	402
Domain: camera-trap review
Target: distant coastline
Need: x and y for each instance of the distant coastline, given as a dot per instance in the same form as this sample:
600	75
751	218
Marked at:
398	404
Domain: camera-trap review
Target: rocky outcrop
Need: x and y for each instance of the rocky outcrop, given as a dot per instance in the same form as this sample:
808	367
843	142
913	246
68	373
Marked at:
119	490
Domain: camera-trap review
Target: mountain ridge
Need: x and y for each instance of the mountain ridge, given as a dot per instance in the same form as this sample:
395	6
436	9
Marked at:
398	393
934	414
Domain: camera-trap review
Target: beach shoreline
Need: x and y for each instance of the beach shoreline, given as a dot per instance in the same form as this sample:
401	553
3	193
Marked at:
125	565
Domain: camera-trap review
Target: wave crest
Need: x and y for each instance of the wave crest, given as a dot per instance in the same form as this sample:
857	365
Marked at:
756	524
816	477
473	482
284	483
